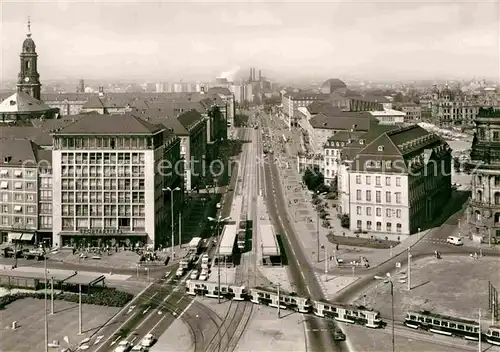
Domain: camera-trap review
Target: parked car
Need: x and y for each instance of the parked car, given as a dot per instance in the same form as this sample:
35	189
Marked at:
203	276
338	335
179	272
194	275
139	348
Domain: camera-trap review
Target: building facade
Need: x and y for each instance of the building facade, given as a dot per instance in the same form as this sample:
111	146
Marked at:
399	183
108	182
483	213
193	147
19	195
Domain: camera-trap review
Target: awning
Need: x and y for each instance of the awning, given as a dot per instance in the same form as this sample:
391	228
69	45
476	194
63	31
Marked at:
27	237
14	235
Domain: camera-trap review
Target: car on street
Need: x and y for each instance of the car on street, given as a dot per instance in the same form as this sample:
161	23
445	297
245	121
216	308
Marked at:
123	346
454	240
148	340
204	275
338	335
194	275
179	272
139	348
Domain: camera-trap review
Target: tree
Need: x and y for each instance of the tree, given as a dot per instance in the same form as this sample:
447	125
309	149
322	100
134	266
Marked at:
345	221
313	178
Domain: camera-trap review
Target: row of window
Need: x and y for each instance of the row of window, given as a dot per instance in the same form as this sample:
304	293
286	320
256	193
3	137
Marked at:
100	158
100	171
378	226
20	221
19	185
102	197
378	180
106	210
135	184
378	196
378	212
28	173
7	197
29	209
72	224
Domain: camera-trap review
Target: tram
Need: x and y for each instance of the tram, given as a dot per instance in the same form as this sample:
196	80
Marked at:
493	335
210	289
347	313
443	324
260	295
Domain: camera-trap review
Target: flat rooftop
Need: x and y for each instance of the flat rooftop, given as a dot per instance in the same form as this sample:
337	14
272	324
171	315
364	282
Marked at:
228	238
66	276
269	243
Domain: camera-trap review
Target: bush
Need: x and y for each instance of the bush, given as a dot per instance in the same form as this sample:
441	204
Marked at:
108	297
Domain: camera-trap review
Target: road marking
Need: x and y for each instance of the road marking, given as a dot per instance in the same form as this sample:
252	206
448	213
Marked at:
126	321
185	309
146	310
112	343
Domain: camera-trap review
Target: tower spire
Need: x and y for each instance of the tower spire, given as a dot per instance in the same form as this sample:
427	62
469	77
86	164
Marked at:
29	27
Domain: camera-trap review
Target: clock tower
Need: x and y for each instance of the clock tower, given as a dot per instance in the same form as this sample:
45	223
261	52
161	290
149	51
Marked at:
29	79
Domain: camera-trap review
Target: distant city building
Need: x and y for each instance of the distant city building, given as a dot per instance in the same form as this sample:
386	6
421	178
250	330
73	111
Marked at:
81	86
177	88
160	87
389	116
413	112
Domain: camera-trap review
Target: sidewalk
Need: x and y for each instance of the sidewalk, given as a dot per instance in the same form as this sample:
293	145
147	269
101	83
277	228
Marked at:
303	216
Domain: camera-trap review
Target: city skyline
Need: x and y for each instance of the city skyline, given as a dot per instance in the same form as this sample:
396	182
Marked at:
202	40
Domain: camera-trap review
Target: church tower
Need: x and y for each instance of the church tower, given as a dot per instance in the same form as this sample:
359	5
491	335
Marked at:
29	79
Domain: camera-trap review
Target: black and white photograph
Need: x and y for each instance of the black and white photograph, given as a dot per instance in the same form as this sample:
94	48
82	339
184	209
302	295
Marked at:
249	176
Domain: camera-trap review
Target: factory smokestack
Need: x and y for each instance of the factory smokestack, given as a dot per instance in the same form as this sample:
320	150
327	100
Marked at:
250	77
260	75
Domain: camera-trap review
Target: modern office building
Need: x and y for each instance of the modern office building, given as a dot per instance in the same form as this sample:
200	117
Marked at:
109	178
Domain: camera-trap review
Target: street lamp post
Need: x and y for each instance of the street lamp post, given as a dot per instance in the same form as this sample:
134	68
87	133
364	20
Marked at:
326	262
172	190
317	230
46	321
218	220
388	279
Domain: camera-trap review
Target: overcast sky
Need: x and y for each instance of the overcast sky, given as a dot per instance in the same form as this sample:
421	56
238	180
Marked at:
167	40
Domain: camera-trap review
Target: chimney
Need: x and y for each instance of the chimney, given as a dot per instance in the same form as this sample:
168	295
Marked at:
251	71
202	89
7	159
260	75
101	91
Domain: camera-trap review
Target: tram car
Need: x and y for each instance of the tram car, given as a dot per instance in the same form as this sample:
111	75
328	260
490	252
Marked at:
210	289
268	297
493	335
347	313
443	324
